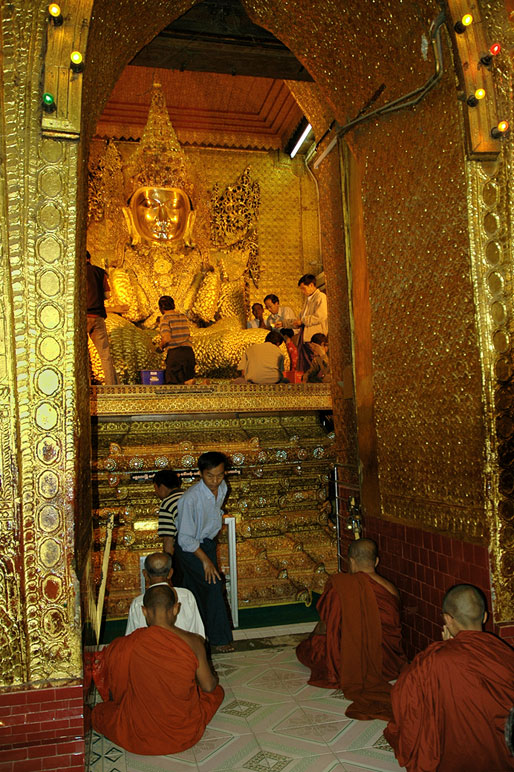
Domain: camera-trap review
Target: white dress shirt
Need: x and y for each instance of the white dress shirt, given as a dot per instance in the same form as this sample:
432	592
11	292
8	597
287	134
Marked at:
314	315
188	617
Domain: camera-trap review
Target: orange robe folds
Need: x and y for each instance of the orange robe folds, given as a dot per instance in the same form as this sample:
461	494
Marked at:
450	706
362	649
156	706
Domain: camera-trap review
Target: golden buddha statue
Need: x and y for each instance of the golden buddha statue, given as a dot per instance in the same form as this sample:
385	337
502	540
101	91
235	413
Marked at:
161	214
153	251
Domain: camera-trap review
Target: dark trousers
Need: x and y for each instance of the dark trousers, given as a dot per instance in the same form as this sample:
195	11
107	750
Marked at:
209	597
180	365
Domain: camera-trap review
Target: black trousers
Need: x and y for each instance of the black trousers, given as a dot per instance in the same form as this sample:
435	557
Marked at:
180	364
209	597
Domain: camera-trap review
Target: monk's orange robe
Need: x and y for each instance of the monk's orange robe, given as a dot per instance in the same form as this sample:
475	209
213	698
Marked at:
362	649
450	706
156	706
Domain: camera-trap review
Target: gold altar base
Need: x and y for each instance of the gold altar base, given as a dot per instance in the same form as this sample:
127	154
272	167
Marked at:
280	456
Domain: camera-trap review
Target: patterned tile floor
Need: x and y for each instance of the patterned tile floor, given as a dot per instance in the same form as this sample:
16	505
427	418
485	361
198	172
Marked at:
271	720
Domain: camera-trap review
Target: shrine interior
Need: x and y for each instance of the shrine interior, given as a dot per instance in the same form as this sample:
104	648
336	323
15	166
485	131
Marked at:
397	200
256	231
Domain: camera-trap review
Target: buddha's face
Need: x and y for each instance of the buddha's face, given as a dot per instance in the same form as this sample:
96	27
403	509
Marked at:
160	214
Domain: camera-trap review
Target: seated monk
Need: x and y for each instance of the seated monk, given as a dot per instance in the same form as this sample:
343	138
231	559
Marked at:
451	704
356	647
159	690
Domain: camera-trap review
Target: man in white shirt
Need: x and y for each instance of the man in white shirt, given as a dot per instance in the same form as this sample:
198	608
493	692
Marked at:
158	570
280	317
314	313
264	362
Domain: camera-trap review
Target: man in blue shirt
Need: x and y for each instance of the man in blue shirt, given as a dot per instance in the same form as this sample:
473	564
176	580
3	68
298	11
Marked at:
199	521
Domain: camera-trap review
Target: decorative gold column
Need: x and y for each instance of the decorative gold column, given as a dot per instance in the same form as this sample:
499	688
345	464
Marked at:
45	434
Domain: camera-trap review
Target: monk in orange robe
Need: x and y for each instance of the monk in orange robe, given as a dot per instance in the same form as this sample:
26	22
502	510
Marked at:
451	704
356	646
158	688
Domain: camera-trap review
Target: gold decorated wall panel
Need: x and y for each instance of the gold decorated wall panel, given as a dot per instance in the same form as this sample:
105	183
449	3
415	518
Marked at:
490	215
425	345
340	333
426	361
40	421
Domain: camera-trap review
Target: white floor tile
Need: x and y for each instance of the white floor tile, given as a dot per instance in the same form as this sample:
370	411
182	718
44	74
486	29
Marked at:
270	719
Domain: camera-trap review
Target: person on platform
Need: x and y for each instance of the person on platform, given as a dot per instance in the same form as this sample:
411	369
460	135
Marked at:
314	314
167	484
264	362
280	317
288	335
158	571
198	522
450	705
356	646
313	319
258	321
319	371
158	689
98	290
176	341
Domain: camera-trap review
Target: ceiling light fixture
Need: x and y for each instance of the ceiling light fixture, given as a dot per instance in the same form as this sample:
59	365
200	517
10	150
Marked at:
301	140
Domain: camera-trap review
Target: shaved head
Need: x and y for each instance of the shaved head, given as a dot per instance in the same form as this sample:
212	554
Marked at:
466	604
159	597
158	564
364	552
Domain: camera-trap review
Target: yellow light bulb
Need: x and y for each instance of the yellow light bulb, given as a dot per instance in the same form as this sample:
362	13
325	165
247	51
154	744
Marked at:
76	57
467	19
503	126
54	10
480	93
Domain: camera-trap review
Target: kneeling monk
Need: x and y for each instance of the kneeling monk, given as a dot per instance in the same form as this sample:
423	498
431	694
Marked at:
356	647
160	692
451	704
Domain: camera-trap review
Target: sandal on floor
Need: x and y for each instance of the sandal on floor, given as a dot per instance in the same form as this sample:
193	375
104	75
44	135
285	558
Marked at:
224	648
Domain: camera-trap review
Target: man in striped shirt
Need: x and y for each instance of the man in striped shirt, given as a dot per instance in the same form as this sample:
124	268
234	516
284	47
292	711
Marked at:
167	489
176	340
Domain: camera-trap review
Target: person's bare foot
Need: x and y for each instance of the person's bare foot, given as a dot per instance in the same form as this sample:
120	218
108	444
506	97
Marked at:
224	648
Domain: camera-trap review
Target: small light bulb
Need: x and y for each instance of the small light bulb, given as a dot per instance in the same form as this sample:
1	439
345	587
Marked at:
500	130
463	23
48	102
495	49
480	93
76	62
55	14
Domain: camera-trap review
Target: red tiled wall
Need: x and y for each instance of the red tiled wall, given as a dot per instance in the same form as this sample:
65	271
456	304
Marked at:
42	729
423	566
